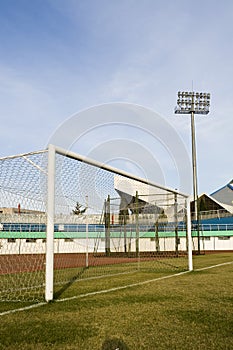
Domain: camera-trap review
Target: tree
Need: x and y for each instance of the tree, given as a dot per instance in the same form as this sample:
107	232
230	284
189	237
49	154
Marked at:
78	209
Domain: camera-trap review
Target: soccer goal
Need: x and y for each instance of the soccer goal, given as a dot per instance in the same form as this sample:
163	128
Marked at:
66	218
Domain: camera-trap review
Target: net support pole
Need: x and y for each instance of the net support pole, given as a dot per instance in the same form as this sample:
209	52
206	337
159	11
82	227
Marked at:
87	258
189	234
137	226
176	225
49	273
107	226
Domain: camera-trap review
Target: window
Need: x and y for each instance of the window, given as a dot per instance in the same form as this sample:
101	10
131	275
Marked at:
11	240
205	238
68	240
224	238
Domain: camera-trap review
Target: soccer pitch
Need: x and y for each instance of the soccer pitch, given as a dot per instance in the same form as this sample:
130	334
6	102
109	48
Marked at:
184	310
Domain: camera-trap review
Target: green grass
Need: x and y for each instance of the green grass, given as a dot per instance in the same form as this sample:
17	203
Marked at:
29	286
189	311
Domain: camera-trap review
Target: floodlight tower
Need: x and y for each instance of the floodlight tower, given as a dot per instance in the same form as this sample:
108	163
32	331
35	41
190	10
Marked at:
193	103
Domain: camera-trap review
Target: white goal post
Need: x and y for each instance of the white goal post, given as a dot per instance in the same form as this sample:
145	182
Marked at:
65	218
49	275
52	150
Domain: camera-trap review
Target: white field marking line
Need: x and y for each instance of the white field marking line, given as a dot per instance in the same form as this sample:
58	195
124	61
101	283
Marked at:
104	291
98	277
22	309
136	284
111	289
211	267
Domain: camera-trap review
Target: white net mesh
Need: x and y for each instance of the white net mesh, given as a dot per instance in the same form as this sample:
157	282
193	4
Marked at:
23	226
106	223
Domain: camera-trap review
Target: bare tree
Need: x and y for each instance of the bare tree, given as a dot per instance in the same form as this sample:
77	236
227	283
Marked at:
78	209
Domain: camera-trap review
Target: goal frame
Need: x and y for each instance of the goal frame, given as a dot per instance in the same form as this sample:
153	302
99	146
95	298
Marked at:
52	151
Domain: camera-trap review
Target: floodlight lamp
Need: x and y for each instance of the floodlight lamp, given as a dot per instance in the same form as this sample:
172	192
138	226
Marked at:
192	102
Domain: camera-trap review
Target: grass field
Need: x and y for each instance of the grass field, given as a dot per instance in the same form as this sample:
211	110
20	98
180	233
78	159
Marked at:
186	311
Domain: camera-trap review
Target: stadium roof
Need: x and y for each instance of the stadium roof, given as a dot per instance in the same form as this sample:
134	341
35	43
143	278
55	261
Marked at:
208	202
224	194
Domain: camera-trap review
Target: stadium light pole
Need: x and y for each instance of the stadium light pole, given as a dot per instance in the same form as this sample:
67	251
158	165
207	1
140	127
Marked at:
193	103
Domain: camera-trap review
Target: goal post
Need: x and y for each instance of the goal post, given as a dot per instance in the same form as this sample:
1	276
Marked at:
49	275
79	220
130	183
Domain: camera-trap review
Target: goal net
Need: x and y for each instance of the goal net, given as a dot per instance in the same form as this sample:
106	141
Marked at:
65	218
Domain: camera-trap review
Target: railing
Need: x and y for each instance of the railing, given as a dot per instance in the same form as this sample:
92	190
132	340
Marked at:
32	223
211	214
213	227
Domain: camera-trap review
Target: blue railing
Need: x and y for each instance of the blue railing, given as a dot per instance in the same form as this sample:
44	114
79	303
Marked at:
35	227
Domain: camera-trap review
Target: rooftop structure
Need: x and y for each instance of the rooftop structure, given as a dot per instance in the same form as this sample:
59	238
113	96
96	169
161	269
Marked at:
224	194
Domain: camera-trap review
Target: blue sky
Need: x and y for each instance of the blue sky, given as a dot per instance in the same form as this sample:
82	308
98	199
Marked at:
60	57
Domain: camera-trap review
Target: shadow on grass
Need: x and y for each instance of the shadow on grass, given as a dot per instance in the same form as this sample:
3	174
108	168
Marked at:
114	344
67	285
